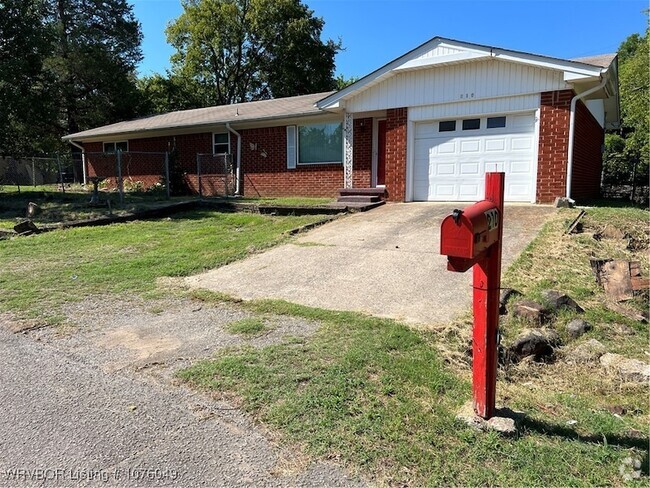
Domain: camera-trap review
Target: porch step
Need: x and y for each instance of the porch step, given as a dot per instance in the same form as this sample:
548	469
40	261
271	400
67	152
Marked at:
358	199
379	192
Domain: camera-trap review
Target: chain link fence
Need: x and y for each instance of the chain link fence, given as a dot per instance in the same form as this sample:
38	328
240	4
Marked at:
215	174
129	172
123	172
56	171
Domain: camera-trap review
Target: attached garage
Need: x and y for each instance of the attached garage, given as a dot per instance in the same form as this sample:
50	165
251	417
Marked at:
451	157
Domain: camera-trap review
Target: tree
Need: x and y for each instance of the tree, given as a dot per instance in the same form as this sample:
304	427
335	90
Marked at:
24	85
96	51
65	66
627	153
160	94
343	82
243	50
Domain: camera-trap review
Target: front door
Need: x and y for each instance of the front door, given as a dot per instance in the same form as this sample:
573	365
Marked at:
381	153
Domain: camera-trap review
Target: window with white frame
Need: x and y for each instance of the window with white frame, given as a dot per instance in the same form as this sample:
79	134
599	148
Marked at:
112	147
320	143
221	143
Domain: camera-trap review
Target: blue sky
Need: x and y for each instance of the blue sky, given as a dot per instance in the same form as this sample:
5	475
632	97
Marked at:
376	31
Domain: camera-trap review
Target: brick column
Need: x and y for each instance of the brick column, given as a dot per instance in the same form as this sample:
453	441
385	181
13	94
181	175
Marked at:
396	119
554	117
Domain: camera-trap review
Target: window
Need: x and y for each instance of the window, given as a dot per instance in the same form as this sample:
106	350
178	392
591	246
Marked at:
221	143
112	147
471	124
447	126
496	122
320	143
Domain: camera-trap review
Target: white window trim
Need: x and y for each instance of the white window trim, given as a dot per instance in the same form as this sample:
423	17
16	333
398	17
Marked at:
298	163
114	144
292	148
221	143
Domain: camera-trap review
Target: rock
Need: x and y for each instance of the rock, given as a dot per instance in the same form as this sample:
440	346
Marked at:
530	311
624	329
578	327
564	202
539	343
587	352
557	301
503	425
628	369
26	227
630	468
504	421
506	294
32	210
611	232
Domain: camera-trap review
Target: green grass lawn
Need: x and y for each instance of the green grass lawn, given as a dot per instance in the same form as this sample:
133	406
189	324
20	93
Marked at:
39	273
374	394
381	398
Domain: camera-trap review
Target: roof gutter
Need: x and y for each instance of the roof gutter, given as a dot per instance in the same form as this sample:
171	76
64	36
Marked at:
83	158
572	129
238	168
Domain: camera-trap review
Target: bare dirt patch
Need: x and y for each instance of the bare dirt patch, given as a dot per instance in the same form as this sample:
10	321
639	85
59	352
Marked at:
158	336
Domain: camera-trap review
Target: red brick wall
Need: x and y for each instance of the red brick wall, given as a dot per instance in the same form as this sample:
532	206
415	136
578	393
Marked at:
362	157
553	145
269	177
148	168
587	156
396	119
262	176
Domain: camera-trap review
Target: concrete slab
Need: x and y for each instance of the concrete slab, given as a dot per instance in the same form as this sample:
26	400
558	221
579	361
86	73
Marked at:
385	262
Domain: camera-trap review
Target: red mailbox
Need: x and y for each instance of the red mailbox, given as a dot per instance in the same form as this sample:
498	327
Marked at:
472	238
468	233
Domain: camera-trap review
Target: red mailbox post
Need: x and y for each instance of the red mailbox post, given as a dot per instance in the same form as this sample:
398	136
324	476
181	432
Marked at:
473	237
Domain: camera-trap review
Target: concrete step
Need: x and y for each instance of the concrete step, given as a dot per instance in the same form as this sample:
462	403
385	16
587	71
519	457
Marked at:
379	192
358	199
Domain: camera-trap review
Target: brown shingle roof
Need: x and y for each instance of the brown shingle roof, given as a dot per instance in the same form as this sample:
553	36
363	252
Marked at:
602	60
260	110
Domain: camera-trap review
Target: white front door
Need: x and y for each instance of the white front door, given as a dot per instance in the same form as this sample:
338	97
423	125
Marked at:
451	157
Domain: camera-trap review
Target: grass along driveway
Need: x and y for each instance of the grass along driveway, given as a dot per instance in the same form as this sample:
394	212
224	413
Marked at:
381	397
39	273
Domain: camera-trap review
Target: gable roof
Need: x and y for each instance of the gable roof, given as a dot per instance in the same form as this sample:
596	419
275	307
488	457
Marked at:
461	51
250	111
602	60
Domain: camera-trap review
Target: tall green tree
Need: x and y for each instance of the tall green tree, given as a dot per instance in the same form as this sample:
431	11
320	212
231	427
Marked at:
96	51
170	92
627	152
26	101
65	66
243	50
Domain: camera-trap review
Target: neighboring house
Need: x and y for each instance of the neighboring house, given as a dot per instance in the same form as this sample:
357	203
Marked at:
426	126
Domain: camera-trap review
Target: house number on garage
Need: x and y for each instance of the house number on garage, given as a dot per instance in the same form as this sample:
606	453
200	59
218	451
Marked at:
492	217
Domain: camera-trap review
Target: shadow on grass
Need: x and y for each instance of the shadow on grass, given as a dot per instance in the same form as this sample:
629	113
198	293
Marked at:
611	202
546	428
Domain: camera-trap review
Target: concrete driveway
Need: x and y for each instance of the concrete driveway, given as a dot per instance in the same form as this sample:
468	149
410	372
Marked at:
385	262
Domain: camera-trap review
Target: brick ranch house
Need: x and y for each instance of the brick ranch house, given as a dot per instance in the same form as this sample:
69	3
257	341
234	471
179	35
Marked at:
425	127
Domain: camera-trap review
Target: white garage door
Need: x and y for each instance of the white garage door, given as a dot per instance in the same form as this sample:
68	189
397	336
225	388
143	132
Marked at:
452	156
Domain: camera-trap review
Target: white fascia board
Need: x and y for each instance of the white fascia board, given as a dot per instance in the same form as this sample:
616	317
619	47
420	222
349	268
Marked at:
438	60
556	64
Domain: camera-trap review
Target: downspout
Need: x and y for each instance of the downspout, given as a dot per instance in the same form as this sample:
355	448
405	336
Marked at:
83	159
238	168
572	128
